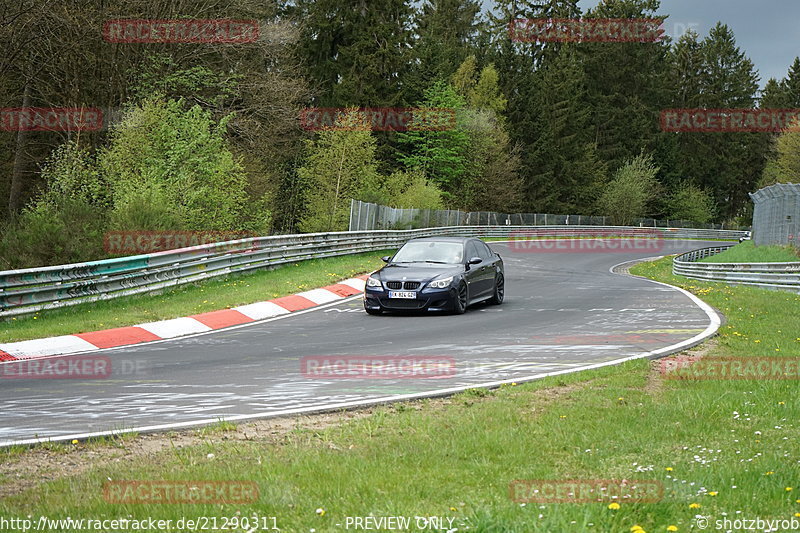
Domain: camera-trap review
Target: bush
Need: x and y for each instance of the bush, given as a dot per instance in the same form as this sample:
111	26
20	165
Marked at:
631	190
66	222
179	159
690	202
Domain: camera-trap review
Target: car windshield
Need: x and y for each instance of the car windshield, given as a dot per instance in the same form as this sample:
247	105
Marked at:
430	251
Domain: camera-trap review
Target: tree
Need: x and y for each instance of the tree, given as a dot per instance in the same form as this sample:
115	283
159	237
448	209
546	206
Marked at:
446	33
356	53
411	190
626	85
565	172
66	221
339	165
54	55
783	165
518	63
170	167
629	193
718	75
690	202
438	154
784	94
491	181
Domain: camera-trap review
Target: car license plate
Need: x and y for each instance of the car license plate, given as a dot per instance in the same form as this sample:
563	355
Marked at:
401	294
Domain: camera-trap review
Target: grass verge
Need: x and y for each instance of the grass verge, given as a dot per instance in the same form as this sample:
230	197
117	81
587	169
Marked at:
190	299
721	449
747	252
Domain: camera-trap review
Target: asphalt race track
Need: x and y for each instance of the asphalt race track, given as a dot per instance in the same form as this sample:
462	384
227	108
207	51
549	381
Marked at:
562	311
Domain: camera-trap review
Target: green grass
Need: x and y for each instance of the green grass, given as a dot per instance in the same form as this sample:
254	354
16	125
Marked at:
747	252
190	299
455	459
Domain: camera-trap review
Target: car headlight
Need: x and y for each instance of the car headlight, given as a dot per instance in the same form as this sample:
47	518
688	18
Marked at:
373	282
441	283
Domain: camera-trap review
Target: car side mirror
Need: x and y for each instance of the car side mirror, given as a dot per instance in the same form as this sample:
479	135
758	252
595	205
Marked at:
475	261
386	258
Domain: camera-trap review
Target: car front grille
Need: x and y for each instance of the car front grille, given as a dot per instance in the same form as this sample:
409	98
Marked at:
395	303
408	285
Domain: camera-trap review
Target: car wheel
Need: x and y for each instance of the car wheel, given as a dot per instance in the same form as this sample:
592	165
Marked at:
461	299
499	290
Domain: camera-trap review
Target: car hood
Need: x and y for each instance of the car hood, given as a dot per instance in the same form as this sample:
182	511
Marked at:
418	271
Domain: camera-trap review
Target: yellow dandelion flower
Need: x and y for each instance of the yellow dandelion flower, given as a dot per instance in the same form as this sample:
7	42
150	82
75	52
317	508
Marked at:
788	489
713	493
694	506
613	506
321	511
74	441
668	469
636	528
672	528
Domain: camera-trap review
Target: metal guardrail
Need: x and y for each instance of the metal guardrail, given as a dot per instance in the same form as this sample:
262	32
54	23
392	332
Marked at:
784	276
36	289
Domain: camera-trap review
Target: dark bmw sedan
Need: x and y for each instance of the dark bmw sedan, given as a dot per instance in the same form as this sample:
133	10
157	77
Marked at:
436	274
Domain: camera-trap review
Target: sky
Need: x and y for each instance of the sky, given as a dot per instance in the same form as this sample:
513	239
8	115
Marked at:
767	31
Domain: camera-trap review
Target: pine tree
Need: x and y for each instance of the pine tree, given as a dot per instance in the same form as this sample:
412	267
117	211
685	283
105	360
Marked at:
357	53
729	164
792	85
773	96
627	86
446	34
565	172
518	62
784	94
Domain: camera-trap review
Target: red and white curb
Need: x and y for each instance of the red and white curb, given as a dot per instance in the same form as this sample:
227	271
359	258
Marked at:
178	327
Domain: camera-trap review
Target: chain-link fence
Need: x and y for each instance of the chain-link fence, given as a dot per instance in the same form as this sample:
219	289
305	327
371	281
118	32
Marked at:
776	215
366	216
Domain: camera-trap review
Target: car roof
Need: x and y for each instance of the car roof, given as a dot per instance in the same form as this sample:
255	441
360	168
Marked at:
444	239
